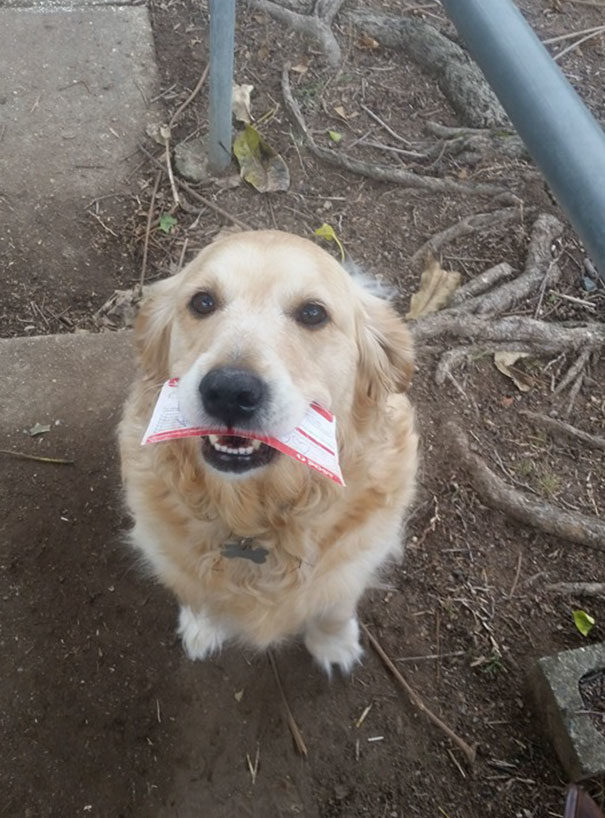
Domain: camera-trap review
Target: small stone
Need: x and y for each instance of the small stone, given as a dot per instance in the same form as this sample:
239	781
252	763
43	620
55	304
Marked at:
191	160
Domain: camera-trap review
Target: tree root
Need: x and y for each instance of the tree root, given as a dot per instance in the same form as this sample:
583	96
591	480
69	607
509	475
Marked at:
471	224
459	79
561	430
317	25
546	517
476	142
481	283
383	173
578	588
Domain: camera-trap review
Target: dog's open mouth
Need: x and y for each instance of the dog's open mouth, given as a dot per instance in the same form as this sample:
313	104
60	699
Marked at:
235	453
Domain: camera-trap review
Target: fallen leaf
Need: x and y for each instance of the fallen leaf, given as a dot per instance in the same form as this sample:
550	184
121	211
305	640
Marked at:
507	401
39	429
240	102
238	695
335	136
301	68
259	164
327	232
583	621
365	41
436	288
505	363
340	111
167	222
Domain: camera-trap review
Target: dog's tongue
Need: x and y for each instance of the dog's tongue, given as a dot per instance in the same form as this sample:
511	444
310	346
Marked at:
312	443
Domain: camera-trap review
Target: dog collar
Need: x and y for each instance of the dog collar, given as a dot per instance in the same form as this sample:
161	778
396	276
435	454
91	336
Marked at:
244	548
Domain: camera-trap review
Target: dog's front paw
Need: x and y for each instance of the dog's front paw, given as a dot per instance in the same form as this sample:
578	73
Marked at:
334	646
201	637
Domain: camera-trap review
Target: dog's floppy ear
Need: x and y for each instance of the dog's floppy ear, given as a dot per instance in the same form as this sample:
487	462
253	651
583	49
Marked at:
152	328
386	358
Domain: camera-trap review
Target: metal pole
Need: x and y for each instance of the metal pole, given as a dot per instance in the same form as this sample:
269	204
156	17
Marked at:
222	43
565	140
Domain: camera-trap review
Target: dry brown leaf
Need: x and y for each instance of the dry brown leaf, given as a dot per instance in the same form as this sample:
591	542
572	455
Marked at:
240	102
301	68
436	288
365	41
505	363
340	111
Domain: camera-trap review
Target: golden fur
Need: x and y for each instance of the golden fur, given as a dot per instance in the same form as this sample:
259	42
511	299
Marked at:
324	542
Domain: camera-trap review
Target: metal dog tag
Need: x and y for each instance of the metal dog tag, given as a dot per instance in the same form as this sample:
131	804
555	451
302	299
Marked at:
245	549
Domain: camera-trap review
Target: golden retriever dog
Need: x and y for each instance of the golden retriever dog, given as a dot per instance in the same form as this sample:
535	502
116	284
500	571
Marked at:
257	327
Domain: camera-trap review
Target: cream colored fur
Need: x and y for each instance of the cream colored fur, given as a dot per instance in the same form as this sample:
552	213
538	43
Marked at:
325	543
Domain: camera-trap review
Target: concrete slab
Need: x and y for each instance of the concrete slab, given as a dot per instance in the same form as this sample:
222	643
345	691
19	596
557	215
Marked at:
78	380
74	93
555	679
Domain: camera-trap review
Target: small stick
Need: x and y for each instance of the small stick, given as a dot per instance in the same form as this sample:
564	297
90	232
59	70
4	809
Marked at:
517	574
23	456
469	752
384	125
558	428
430	656
294	729
175	193
581	588
190	98
154	193
578	43
195	195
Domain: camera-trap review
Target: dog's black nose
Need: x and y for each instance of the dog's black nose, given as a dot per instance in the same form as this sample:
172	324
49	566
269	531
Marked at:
232	395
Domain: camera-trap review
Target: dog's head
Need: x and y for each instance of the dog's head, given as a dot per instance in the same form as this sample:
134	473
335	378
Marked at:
257	327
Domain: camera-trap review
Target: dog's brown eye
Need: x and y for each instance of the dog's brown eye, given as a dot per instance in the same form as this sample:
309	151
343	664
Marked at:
311	314
203	303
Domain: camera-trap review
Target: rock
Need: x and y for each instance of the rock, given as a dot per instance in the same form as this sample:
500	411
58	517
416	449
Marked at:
191	160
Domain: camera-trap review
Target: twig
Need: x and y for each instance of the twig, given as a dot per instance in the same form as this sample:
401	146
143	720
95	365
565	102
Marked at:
571	34
469	752
381	173
471	224
578	43
253	766
560	429
573	393
190	98
195	195
154	193
175	193
384	125
579	588
430	656
574	370
517	575
293	726
577	528
23	456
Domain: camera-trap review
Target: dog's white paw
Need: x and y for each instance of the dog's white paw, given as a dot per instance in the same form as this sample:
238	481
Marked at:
334	647
201	637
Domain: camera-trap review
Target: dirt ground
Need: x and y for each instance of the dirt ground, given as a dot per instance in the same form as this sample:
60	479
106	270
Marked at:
103	713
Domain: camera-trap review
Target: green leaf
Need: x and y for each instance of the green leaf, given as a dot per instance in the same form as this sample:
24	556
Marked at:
260	165
327	232
167	222
335	136
584	622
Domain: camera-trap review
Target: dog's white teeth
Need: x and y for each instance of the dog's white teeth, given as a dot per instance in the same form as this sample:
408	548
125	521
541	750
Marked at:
254	445
213	439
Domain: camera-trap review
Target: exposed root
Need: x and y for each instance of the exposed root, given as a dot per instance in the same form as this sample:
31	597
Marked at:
565	431
578	588
459	79
383	173
514	330
574	372
316	26
471	224
540	269
495	492
476	142
480	284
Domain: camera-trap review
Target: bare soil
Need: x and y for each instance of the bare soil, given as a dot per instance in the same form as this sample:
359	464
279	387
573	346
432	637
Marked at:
103	714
